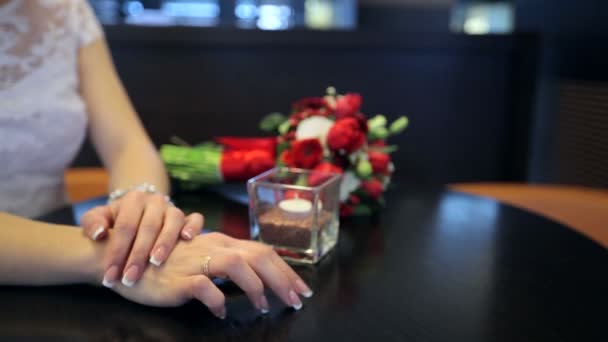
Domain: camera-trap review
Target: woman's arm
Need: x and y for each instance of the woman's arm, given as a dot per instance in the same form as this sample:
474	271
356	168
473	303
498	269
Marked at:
36	253
147	227
116	131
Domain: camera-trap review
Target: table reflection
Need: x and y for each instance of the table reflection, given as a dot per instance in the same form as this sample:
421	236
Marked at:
432	266
92	314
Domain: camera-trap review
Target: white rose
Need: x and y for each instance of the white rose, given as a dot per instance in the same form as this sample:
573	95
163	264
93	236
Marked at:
314	127
350	183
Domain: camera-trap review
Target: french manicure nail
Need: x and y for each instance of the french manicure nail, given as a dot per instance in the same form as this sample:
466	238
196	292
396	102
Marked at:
264	307
98	232
296	303
158	256
110	276
128	279
303	289
221	314
187	234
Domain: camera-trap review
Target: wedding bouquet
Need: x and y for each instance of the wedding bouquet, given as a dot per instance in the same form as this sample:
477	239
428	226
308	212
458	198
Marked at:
331	134
228	159
328	134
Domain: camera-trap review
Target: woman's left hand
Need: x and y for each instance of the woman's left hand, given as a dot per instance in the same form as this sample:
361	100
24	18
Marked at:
146	229
189	271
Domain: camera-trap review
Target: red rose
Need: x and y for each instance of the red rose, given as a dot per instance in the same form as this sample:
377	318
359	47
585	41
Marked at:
293	122
379	162
310	103
287	158
345	134
324	171
307	153
354	199
299	116
340	161
310	112
290	135
373	188
346	210
348	105
319	112
362	121
378	143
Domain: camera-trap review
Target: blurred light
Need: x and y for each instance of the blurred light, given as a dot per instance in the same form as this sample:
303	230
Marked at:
246	10
476	25
137	14
459	208
274	17
483	18
191	9
319	14
133	8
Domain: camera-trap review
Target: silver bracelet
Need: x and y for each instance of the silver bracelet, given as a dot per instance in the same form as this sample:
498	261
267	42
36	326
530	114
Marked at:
144	187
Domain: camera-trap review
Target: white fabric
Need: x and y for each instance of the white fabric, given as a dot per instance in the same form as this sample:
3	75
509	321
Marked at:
42	116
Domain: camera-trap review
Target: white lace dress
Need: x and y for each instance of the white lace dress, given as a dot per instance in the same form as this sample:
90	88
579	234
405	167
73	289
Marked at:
42	116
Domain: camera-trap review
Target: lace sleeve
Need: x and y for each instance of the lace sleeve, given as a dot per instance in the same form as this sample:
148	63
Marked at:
87	26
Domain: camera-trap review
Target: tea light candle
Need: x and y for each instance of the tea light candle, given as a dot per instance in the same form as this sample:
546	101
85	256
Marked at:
296	206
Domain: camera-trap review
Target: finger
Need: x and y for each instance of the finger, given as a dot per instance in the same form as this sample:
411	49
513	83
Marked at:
147	233
259	258
173	223
96	222
295	279
130	211
236	268
203	289
194	225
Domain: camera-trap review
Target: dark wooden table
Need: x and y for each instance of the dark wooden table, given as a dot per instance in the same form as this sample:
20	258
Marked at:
434	266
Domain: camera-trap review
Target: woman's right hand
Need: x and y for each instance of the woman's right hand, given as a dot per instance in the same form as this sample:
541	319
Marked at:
251	265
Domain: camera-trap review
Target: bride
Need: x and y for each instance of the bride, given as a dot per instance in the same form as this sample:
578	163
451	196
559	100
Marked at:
57	81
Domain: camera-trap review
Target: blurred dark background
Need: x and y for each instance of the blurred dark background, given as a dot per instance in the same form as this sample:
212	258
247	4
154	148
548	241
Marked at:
495	90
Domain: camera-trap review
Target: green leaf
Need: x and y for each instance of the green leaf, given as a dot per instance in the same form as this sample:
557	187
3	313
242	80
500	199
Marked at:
282	147
362	210
284	127
383	133
379	133
376	122
364	168
399	125
302	180
385	149
272	121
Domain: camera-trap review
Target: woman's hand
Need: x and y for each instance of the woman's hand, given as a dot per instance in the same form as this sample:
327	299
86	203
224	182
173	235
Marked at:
251	265
146	229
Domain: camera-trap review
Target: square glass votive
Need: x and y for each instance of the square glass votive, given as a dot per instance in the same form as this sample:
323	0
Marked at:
295	211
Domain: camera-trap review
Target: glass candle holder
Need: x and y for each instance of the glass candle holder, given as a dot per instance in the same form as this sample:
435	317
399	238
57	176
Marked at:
295	211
